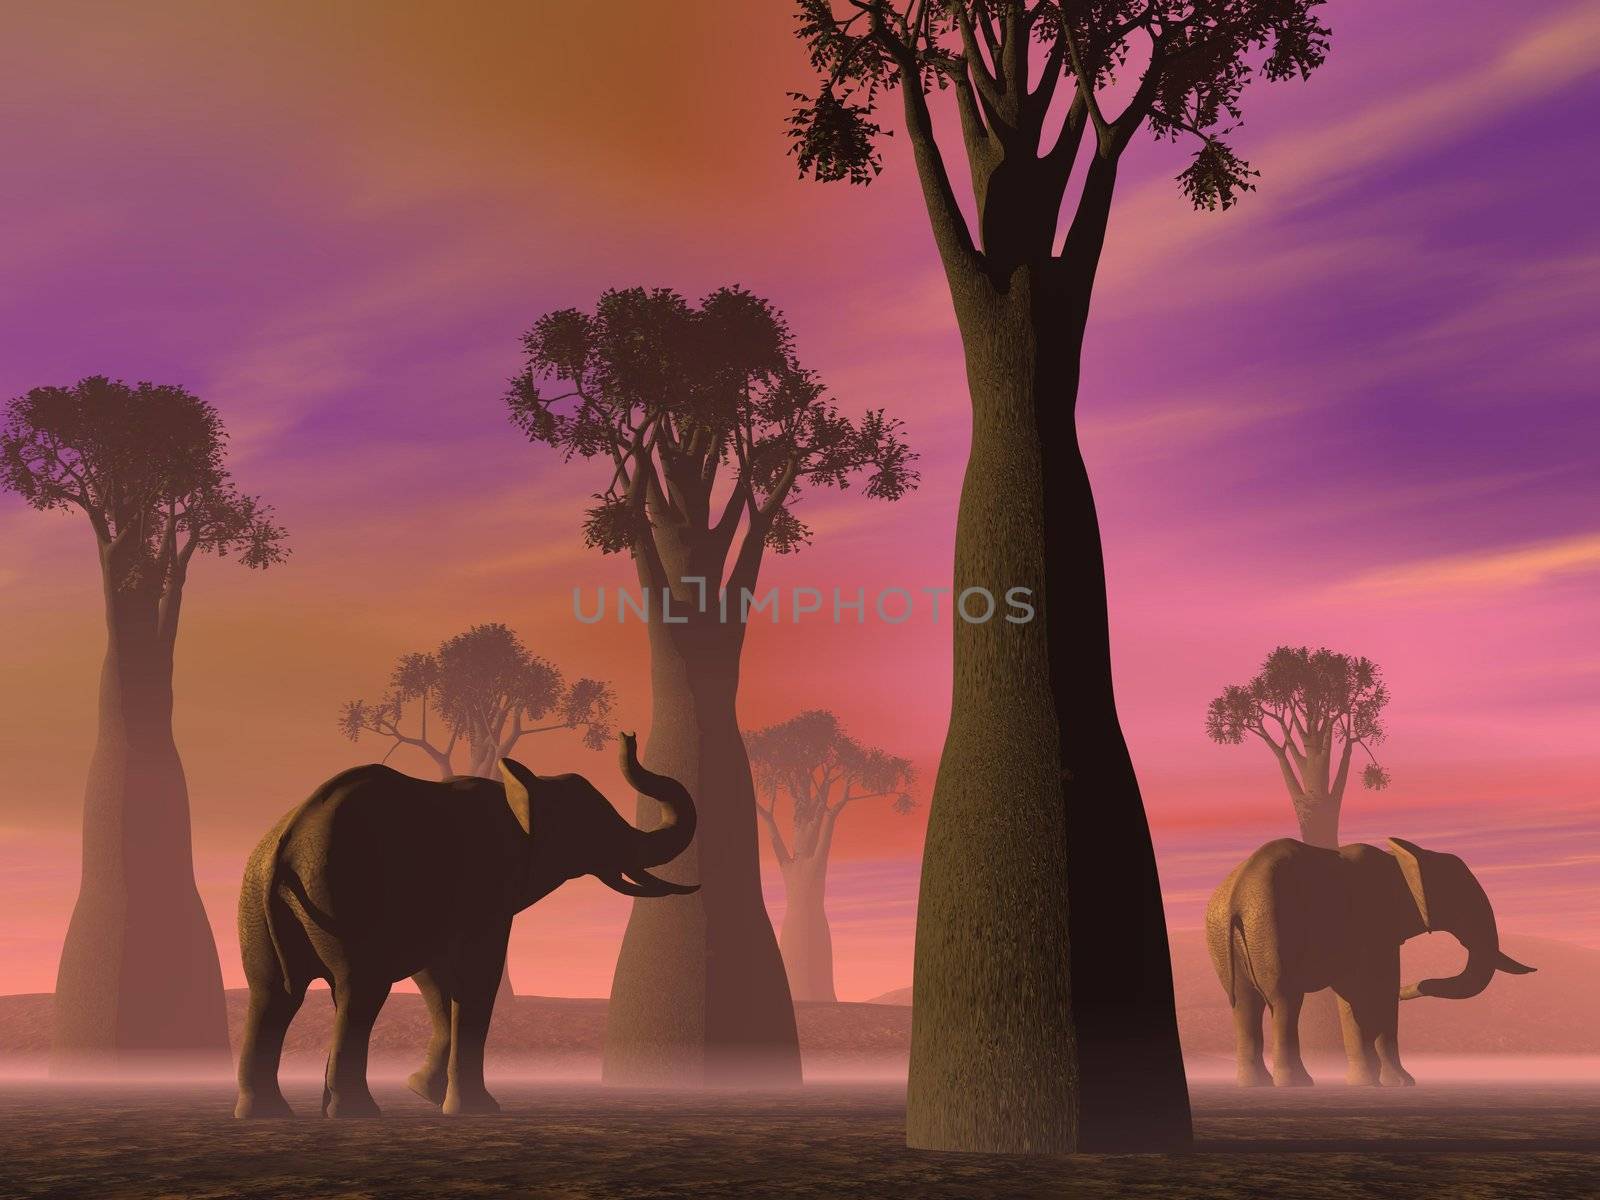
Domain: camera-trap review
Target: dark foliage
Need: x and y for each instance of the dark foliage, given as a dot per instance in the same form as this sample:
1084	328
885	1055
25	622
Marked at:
672	394
1191	61
146	464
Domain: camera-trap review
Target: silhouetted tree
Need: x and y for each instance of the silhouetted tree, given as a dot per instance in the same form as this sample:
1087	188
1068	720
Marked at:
139	973
677	400
821	769
1043	1014
486	690
1312	708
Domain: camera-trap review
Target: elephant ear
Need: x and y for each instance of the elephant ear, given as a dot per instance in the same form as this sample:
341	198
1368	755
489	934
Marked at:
1410	855
520	783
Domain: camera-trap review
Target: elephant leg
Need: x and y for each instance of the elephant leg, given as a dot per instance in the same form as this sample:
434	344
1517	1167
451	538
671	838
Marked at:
429	1081
1248	1008
357	1001
477	978
1384	1020
1359	1047
272	1006
1288	1069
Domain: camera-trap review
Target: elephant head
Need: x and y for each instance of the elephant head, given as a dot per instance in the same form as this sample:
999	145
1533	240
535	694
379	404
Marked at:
1450	899
575	831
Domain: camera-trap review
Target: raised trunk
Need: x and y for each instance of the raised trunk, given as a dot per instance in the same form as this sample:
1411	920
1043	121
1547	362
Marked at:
139	981
806	941
699	996
1043	1017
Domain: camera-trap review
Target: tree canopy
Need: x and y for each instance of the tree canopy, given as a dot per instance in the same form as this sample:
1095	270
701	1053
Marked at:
670	394
145	463
821	768
1301	703
484	687
1189	62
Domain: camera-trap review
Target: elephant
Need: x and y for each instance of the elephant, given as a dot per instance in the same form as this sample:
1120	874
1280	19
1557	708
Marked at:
379	876
1295	918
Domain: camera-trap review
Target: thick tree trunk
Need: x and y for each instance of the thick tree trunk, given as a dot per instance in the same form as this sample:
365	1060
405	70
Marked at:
806	941
504	997
1043	1017
1320	1027
139	981
699	996
1319	821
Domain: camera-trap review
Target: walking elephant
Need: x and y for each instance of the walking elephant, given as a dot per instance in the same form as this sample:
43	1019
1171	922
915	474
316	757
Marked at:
379	876
1294	918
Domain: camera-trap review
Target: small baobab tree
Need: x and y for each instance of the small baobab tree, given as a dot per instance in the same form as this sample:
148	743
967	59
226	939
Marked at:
1312	708
710	432
485	691
146	465
821	769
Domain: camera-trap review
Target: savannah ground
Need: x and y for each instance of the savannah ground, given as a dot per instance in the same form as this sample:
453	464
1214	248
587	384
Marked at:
1467	1141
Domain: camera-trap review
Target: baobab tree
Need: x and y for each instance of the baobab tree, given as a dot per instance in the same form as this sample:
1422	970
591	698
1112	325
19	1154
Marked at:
486	691
139	974
710	432
1312	708
1043	1013
821	769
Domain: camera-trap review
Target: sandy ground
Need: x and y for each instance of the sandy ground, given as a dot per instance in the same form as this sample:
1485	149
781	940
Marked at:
1465	1142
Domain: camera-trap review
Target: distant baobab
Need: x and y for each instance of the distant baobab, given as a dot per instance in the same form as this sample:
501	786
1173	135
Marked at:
706	432
807	770
1312	709
145	463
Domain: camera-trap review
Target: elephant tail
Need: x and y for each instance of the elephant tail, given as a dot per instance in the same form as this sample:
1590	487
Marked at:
1236	937
269	891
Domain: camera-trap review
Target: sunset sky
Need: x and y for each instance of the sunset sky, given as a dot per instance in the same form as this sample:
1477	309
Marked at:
1358	410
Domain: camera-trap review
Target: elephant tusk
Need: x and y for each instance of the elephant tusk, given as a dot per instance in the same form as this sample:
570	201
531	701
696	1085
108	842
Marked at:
654	890
666	886
618	884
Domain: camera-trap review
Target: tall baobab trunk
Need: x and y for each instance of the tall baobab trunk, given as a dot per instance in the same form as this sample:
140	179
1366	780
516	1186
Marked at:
139	978
1315	791
1319	821
700	995
1039	890
1316	808
806	940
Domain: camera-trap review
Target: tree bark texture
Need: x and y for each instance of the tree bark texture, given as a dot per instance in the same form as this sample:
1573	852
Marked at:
1043	1015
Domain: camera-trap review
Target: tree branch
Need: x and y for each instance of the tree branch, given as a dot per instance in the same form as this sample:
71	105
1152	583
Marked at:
950	232
766	814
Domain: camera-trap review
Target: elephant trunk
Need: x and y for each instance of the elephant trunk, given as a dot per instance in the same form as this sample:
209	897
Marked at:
672	837
1473	925
1471	980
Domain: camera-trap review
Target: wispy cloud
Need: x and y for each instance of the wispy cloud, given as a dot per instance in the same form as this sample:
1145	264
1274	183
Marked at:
1507	567
1546	58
